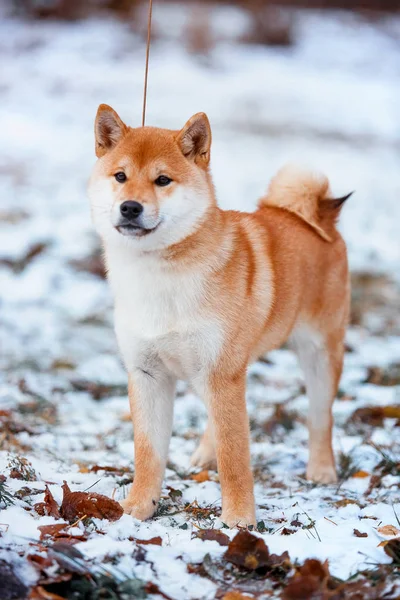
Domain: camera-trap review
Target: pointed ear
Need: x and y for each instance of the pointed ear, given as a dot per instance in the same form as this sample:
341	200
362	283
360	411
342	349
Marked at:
195	139
108	129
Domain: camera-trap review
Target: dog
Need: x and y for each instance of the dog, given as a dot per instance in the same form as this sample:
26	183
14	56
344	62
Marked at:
200	292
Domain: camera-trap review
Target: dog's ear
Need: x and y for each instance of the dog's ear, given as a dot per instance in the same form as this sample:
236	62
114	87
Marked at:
195	139
108	129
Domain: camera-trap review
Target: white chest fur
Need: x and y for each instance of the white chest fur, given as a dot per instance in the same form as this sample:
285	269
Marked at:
161	319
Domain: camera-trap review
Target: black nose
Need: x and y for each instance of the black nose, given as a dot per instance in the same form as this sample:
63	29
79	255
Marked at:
131	209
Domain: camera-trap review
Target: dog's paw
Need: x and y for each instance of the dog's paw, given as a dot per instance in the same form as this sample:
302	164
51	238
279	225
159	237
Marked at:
321	473
204	457
139	509
233	519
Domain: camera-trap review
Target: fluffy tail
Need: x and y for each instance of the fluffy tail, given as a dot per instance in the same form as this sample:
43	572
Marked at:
308	196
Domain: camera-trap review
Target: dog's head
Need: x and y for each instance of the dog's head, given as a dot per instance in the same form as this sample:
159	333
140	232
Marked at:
150	187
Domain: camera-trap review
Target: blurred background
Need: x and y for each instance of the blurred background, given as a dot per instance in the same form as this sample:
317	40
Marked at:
315	82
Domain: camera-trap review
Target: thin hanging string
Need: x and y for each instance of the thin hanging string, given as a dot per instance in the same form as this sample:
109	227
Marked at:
146	72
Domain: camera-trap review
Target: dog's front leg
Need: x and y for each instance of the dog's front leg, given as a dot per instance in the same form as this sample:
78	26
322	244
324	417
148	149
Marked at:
151	400
225	397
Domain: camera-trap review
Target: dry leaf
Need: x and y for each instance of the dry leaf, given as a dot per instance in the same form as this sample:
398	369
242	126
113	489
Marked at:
40	561
57	531
215	535
108	469
345	502
361	474
388	377
93	264
248	551
287	531
235	596
389	530
156	541
374	482
98	390
296	523
83	468
392	549
76	505
310	581
40	593
200	477
48	507
154	590
359	533
374	415
392	412
51	530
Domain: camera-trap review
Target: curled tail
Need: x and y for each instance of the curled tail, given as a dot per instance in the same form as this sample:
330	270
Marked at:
307	195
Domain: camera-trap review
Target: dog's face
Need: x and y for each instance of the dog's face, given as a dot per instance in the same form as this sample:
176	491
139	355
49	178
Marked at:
150	188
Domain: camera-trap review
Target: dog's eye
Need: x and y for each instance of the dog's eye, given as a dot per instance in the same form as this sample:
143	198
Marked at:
120	177
162	180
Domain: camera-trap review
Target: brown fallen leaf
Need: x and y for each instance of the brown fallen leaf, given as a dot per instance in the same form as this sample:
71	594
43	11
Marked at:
360	474
248	551
40	561
51	530
280	419
388	377
57	531
213	535
93	264
155	541
345	502
49	506
287	531
375	415
201	477
388	530
359	533
83	468
108	469
153	589
40	593
296	523
76	505
19	264
235	596
309	581
98	390
392	549
374	482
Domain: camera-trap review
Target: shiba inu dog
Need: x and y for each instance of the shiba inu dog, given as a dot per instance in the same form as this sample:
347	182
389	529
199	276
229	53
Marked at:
200	292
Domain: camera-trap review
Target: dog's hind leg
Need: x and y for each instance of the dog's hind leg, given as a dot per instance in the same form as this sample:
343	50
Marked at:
204	456
321	358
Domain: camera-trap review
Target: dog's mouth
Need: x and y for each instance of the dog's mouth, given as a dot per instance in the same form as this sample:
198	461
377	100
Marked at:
135	230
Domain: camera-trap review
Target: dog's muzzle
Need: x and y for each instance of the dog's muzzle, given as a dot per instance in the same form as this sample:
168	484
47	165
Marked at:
131	220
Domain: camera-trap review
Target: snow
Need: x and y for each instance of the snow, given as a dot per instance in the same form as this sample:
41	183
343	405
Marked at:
331	101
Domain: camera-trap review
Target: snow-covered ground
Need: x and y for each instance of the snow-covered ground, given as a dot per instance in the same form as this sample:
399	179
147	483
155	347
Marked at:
331	100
